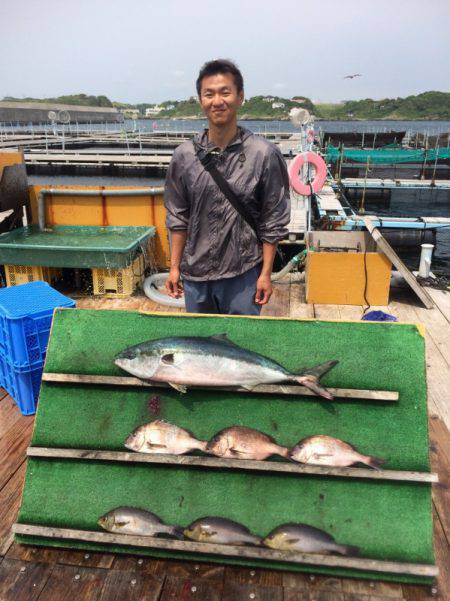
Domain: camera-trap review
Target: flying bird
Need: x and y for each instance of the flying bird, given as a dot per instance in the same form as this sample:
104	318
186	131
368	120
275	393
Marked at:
352	76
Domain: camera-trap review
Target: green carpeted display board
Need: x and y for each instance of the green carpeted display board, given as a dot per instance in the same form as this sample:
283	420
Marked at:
387	520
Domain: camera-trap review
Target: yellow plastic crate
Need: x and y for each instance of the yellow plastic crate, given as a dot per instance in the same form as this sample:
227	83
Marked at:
118	282
22	274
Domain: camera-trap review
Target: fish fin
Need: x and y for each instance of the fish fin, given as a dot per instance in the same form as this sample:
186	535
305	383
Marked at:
120	524
310	378
177	532
168	359
318	370
236	451
249	387
152	445
350	550
180	387
319	455
292	541
223	338
374	462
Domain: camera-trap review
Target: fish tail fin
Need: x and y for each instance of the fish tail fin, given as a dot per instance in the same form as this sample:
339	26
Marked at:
350	550
374	462
256	540
283	451
310	378
202	445
176	532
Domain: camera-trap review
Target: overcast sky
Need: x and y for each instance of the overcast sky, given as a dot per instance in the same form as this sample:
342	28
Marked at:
151	50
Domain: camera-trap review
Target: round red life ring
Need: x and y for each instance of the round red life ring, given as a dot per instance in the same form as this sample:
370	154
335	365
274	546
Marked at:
319	179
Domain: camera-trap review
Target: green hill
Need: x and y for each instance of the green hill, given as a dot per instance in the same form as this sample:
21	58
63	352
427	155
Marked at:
429	105
75	99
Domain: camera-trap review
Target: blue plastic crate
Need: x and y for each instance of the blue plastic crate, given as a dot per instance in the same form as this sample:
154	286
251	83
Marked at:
26	313
23	386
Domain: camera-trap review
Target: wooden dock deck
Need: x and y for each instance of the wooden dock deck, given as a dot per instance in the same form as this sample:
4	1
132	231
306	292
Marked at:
38	574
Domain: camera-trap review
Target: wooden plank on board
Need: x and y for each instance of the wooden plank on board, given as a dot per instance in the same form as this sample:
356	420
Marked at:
120	586
22	580
240	464
67	583
278	305
63	556
10	415
232	591
387	249
442	301
442	554
356	563
12	448
190	589
298	307
250	575
343	393
10	496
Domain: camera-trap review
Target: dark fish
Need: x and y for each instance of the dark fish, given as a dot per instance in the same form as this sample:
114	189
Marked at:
305	539
326	450
135	521
221	531
212	361
239	442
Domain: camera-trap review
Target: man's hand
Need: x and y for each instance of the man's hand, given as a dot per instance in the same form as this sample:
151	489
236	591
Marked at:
264	290
174	286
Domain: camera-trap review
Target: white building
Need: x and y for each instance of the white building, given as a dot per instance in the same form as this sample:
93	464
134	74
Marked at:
278	105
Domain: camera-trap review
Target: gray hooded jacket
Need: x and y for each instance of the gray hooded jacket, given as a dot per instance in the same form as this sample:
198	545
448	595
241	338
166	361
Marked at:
220	244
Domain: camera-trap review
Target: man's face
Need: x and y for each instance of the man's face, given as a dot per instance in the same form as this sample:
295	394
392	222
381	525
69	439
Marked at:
220	99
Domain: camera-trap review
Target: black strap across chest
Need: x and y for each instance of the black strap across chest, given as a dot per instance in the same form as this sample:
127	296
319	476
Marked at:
208	160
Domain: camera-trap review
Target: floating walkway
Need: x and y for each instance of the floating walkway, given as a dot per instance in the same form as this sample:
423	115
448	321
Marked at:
392	184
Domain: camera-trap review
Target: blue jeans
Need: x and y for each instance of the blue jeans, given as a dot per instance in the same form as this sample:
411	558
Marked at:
230	296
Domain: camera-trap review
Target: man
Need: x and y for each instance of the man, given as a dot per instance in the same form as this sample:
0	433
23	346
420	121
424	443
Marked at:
225	265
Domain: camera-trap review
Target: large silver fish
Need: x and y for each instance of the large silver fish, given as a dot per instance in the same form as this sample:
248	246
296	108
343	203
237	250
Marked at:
239	442
159	437
221	531
212	361
326	450
138	522
305	539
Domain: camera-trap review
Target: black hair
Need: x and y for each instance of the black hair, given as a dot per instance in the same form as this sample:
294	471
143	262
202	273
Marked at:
220	65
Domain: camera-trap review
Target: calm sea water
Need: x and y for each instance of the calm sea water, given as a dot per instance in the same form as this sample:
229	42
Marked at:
189	125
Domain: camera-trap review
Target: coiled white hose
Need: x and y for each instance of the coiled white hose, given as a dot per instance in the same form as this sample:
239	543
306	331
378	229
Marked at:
150	287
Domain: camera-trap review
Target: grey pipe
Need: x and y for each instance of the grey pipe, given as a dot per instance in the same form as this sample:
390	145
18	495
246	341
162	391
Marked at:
294	262
65	192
